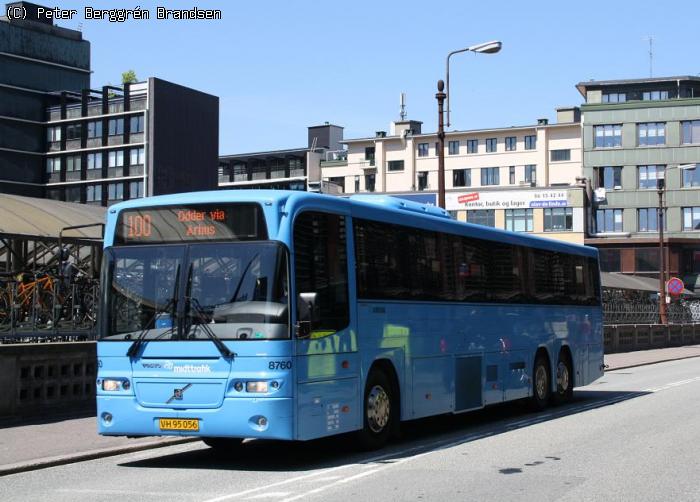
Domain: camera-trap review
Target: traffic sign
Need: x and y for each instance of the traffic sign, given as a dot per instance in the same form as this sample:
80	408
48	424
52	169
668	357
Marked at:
674	286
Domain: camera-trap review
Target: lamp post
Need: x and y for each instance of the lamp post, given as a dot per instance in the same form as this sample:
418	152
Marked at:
661	189
485	48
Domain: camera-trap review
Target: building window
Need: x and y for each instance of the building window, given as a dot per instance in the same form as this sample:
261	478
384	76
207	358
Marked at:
296	168
646	259
486	217
116	127
422	149
437	148
511	143
369	154
136	124
94	129
462	177
357	184
690	131
137	156
73	131
608	136
648	176
135	189
691	177
395	165
491	144
530	142
53	165
472	145
115	158
453	148
422	180
94	193
115	191
94	160
558	219
651	133
610	177
73	163
489	176
73	194
560	155
53	194
648	219
614	97
53	134
609	220
654	95
531	173
691	218
369	182
610	260
511	175
519	220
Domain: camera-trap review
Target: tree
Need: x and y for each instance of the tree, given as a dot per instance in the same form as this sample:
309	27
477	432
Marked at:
129	77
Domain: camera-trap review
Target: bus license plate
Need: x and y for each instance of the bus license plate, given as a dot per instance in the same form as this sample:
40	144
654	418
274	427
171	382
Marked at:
179	424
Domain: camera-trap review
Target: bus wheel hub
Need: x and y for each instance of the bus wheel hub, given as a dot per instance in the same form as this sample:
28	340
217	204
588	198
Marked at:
378	409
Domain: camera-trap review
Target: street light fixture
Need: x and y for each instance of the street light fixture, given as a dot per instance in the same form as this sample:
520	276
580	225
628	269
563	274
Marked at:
661	189
484	48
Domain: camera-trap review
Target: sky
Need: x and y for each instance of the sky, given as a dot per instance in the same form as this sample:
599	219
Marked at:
281	66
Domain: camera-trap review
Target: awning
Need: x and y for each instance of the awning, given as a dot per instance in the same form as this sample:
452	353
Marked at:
44	218
623	281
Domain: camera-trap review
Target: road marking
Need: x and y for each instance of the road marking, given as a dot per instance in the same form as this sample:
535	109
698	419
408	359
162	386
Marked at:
268	495
135	493
673	384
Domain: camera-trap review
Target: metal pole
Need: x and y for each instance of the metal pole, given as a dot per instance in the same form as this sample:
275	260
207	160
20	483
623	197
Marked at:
440	96
662	265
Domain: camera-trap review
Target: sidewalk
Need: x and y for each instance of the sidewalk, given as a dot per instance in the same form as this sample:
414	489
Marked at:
35	446
643	357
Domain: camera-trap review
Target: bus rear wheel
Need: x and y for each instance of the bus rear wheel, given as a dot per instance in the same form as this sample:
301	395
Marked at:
223	445
540	384
565	380
380	411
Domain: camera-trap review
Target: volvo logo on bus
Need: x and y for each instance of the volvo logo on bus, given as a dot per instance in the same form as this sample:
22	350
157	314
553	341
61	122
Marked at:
178	393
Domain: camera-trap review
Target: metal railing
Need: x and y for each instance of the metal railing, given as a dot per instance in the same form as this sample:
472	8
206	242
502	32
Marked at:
41	306
629	307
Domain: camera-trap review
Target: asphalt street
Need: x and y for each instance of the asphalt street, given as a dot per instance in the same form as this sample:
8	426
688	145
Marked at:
633	435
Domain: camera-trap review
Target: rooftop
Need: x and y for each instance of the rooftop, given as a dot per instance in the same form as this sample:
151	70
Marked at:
583	86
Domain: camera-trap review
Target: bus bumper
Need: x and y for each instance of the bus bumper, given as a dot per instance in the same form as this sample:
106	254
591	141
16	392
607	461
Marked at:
264	418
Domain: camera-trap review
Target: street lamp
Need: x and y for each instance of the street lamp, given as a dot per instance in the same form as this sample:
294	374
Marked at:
484	48
661	189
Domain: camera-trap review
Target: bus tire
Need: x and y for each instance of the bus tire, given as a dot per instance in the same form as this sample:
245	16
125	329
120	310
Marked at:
380	411
223	445
541	384
565	379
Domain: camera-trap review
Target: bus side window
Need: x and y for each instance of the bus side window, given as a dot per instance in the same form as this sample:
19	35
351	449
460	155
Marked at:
321	270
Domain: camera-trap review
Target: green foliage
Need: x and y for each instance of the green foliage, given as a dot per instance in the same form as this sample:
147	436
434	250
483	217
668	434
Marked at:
129	77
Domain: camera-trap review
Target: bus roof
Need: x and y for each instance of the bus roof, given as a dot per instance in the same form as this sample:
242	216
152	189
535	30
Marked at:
383	208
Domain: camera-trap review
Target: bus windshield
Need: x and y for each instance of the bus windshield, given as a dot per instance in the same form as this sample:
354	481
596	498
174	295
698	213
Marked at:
167	292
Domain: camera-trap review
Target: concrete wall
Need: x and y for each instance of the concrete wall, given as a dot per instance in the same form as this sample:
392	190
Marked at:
630	337
43	380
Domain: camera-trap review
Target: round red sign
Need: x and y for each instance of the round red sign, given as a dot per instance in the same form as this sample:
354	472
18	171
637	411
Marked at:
674	286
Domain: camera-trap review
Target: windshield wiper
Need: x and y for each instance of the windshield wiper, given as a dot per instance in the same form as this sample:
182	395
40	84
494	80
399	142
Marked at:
203	323
172	303
240	281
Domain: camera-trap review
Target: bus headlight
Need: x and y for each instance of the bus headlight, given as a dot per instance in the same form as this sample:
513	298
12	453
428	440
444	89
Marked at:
114	385
258	387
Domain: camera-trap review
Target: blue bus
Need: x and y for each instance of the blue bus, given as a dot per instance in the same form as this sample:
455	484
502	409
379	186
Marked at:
290	315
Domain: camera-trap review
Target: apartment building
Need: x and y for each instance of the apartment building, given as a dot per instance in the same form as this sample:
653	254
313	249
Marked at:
515	178
125	142
288	169
636	132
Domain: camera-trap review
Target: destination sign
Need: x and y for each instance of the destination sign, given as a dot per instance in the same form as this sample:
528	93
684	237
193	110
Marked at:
200	222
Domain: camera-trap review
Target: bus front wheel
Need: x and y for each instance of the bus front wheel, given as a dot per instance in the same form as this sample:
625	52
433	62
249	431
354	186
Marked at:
540	384
380	411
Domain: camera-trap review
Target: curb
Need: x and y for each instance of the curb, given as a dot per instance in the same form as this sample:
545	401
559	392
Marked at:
648	363
42	463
